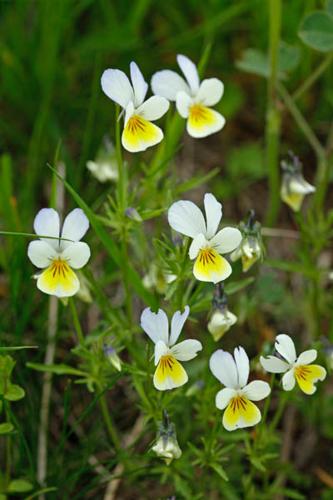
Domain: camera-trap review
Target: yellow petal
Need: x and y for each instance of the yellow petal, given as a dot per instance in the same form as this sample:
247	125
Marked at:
203	121
248	262
58	279
169	373
210	266
308	375
240	413
294	200
139	134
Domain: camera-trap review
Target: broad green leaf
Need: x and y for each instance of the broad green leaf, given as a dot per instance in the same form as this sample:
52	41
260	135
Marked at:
60	369
316	31
14	393
19	486
6	427
257	62
110	246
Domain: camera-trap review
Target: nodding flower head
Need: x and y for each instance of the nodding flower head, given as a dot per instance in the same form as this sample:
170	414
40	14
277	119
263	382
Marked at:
294	187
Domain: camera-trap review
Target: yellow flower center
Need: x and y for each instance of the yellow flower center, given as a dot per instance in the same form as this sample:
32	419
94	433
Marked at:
166	364
136	124
207	256
210	266
199	113
169	373
59	268
302	372
58	279
238	404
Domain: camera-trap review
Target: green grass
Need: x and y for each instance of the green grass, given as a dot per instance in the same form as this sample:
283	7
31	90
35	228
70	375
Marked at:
52	54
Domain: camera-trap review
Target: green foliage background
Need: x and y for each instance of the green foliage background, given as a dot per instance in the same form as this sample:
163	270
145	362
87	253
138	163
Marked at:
52	54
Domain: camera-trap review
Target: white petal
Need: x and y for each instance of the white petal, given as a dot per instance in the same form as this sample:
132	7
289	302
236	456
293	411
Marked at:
77	254
156	325
168	83
160	350
183	104
299	185
272	364
286	347
41	253
186	218
257	390
75	226
190	72
186	350
197	243
210	92
177	323
288	380
129	112
223	397
214	123
226	240
117	87
243	365
140	87
213	210
306	357
155	107
223	367
47	223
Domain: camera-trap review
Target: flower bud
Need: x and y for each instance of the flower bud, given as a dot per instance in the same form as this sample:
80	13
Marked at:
105	167
166	445
294	187
113	357
251	247
133	214
157	279
220	322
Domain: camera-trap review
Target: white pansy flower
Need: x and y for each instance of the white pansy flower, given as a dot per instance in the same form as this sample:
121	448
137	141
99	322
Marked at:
237	396
169	373
193	98
220	322
139	133
295	368
59	257
293	190
208	243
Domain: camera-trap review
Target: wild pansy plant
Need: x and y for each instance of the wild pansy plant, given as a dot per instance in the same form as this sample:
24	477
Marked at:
59	256
139	133
169	373
208	243
295	368
193	99
237	396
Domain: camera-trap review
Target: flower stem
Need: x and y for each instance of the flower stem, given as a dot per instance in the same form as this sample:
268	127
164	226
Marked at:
108	422
121	184
273	119
313	77
278	414
76	321
301	121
